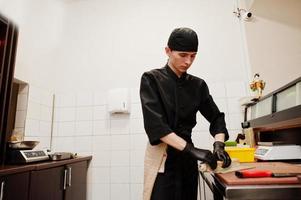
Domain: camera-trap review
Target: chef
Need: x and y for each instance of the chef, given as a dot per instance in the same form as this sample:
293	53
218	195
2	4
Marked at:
170	99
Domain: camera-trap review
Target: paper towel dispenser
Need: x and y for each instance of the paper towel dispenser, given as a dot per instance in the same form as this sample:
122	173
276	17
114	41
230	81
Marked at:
119	100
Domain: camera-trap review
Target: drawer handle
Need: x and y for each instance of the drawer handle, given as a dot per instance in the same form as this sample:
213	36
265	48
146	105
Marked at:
69	176
2	190
65	180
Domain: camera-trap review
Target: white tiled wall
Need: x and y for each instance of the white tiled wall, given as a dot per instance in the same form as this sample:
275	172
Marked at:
39	116
116	142
21	111
226	96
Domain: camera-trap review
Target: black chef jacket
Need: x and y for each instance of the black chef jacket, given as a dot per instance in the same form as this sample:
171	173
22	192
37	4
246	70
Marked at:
170	104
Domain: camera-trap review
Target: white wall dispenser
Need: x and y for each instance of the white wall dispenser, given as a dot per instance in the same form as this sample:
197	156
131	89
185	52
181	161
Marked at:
119	101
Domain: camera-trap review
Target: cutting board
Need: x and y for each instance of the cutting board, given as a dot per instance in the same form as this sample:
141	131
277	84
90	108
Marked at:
275	167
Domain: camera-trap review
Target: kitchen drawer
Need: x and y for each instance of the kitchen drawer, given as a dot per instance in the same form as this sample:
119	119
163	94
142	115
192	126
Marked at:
14	186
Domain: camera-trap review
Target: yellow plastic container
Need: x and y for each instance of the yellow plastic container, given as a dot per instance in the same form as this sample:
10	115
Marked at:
243	154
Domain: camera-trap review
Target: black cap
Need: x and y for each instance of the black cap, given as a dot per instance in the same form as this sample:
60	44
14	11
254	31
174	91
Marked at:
183	39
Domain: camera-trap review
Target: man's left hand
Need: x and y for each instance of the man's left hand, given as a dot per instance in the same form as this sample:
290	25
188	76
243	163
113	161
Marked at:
220	153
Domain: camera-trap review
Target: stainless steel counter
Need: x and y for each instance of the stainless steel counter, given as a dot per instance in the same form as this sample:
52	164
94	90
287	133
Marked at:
253	192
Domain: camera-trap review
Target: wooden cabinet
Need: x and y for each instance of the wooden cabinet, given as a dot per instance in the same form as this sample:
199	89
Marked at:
14	186
76	181
47	184
49	180
68	182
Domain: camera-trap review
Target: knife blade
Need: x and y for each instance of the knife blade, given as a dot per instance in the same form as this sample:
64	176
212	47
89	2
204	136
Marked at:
263	173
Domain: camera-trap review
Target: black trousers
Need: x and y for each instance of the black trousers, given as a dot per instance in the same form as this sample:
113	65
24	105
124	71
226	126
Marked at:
179	180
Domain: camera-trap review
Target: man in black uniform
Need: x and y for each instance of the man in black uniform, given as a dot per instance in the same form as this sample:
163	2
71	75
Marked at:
170	99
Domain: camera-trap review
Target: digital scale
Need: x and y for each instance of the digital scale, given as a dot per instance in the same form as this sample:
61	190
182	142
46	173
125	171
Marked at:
27	156
278	152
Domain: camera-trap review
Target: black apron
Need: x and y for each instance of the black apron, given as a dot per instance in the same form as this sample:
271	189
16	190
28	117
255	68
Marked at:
179	180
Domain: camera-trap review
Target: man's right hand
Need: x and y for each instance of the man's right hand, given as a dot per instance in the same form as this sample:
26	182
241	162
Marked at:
201	154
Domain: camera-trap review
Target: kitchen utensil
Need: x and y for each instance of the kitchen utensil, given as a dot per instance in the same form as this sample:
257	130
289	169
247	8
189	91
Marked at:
276	167
62	155
263	173
24	145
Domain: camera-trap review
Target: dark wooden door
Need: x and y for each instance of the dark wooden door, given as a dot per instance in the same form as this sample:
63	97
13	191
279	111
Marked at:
8	45
3	42
76	181
15	186
47	184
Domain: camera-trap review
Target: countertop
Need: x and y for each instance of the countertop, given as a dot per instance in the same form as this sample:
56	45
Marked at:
12	169
251	191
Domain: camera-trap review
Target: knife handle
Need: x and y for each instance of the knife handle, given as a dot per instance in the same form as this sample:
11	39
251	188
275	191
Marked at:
253	173
286	174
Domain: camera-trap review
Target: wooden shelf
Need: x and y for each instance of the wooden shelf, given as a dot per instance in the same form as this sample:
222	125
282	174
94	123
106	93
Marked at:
287	124
289	118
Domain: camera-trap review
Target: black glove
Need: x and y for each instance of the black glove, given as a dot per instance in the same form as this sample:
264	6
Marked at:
220	153
201	154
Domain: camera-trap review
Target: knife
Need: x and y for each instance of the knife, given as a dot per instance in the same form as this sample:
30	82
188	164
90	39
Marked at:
263	173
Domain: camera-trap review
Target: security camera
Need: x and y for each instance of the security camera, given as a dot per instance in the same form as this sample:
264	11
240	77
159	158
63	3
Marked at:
247	15
243	14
